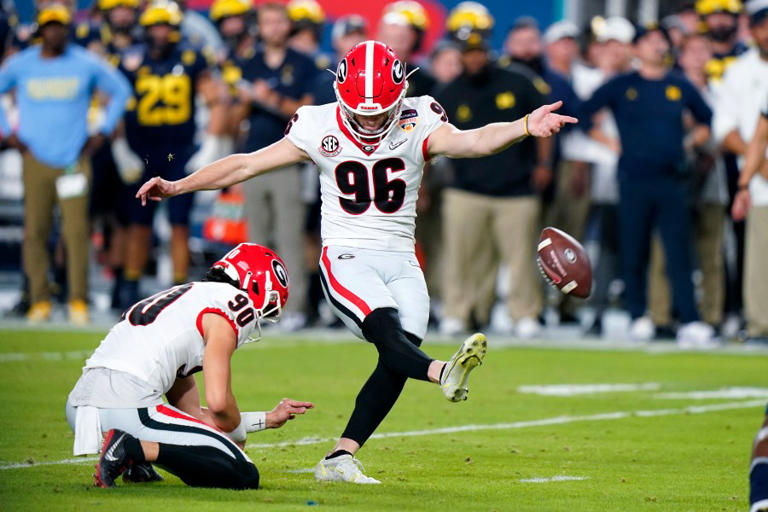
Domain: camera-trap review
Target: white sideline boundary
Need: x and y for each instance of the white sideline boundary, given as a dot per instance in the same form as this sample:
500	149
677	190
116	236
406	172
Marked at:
557	420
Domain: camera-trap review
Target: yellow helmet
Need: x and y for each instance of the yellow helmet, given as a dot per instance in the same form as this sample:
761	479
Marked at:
472	16
107	5
54	13
706	7
412	11
161	13
226	8
306	11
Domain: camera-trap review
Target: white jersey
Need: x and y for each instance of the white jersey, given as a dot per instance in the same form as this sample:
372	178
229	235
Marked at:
368	192
161	338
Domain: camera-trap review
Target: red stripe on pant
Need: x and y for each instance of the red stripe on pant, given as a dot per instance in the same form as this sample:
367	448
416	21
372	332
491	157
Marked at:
339	288
167	411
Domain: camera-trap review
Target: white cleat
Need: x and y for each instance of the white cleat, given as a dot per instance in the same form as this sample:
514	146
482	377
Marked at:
453	382
344	468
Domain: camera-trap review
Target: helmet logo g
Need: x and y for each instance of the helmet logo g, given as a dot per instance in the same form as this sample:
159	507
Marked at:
397	71
280	273
341	72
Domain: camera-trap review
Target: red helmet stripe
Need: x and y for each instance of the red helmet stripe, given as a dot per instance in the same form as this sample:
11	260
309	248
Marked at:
369	67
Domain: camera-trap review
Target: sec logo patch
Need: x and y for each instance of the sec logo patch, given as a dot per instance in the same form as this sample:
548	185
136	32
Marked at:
330	146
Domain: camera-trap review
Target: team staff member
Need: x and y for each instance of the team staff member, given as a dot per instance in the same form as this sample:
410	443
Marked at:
721	24
278	80
649	105
54	83
741	97
403	25
491	212
166	72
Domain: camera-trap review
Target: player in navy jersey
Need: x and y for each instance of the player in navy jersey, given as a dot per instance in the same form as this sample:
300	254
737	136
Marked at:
166	72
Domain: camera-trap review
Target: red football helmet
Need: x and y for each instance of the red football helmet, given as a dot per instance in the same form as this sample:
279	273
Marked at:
370	80
261	273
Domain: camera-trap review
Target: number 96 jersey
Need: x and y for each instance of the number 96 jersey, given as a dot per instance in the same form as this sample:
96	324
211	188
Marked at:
161	338
368	192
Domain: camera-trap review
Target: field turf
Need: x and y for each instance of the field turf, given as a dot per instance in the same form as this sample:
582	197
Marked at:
612	451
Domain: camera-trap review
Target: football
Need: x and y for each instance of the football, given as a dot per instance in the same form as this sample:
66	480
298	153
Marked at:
564	263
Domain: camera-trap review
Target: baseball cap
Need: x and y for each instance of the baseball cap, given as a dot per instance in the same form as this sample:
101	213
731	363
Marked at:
616	28
347	25
563	29
757	11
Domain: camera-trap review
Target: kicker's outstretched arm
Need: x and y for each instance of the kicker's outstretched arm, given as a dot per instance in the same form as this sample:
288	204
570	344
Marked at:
495	137
225	172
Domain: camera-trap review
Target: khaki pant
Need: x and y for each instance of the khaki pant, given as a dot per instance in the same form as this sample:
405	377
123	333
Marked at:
275	212
708	235
755	272
479	232
568	211
40	198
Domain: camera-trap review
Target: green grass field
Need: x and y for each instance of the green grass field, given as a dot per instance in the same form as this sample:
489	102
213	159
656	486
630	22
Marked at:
675	458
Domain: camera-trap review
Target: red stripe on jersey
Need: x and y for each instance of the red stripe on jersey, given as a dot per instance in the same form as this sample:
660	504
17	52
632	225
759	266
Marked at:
424	150
215	311
173	413
339	288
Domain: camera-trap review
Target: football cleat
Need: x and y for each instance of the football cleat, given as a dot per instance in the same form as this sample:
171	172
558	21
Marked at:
453	381
141	473
114	459
344	468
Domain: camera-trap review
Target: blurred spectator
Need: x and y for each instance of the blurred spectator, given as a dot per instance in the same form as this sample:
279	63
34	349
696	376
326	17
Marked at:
741	96
709	193
468	17
491	211
54	83
688	17
234	19
277	81
562	49
197	29
609	53
445	62
649	106
166	71
308	18
402	27
721	23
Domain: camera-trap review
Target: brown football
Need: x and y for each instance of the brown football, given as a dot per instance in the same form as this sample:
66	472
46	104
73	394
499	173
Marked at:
564	263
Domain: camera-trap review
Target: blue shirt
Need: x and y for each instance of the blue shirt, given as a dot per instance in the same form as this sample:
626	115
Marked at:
649	116
293	78
53	97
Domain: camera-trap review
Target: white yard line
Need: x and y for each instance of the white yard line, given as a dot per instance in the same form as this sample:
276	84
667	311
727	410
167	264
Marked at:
556	478
589	389
557	420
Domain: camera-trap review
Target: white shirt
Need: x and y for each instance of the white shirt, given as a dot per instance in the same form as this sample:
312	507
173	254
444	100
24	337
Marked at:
161	337
740	98
368	197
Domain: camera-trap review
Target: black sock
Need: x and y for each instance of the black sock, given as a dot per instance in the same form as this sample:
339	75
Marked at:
338	453
133	450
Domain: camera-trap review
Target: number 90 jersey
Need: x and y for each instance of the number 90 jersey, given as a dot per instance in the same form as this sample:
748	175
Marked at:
368	192
161	337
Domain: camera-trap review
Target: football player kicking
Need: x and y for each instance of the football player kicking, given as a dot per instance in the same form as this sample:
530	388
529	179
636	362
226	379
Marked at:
371	146
160	342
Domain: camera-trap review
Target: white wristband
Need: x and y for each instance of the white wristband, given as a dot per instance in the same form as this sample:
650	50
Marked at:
253	421
238	435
